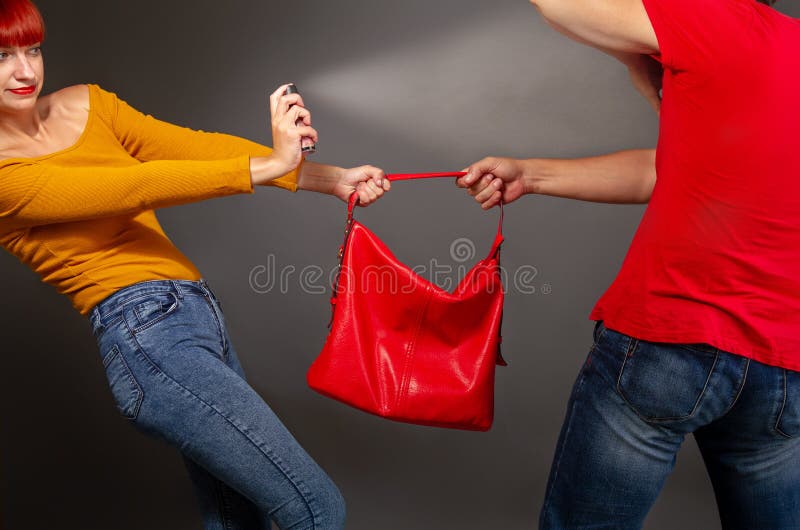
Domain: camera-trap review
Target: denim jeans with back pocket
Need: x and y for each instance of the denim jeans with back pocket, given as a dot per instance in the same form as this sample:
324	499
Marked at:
174	374
631	407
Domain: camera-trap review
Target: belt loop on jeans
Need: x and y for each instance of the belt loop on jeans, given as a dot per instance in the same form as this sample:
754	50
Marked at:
96	321
95	318
177	287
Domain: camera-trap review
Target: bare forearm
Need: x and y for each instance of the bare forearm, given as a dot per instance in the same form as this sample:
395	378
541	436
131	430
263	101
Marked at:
320	178
622	177
310	177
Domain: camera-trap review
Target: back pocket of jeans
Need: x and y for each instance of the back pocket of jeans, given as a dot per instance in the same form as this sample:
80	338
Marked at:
788	424
124	387
665	382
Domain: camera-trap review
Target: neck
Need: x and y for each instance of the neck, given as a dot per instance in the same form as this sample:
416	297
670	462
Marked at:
26	122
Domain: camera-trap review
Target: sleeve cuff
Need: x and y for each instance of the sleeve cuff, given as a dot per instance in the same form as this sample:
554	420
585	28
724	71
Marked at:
289	180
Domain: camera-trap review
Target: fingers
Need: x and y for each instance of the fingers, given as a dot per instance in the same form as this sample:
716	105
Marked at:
369	192
286	104
296	124
306	132
370	183
477	171
275	97
486	188
492	201
281	104
298	114
378	176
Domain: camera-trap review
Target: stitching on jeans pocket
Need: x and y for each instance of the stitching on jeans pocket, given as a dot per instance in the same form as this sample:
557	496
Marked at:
787	423
153	310
127	393
664	383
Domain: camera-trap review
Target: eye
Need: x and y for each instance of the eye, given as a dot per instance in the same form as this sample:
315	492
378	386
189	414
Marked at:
36	50
3	56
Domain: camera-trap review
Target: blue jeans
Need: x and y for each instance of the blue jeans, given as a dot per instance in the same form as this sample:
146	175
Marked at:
631	406
174	374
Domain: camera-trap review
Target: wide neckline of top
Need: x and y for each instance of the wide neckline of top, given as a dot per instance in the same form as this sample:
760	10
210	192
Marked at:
78	142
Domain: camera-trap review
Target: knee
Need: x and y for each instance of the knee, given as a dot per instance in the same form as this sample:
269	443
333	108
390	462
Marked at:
317	506
332	509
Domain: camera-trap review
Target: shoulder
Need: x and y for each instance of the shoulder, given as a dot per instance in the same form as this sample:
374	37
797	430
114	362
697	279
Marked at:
71	97
71	103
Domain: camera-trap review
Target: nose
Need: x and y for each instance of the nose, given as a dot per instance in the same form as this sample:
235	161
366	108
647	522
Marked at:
24	70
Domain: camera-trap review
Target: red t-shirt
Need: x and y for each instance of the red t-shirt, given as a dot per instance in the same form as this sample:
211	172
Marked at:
716	258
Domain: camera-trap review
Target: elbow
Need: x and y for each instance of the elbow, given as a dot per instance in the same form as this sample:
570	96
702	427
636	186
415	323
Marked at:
547	10
540	6
544	6
647	188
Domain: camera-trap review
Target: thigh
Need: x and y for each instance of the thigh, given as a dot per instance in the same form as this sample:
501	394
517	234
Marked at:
610	462
752	453
189	396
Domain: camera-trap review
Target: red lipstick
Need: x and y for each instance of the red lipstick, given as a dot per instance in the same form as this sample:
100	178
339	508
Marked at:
25	91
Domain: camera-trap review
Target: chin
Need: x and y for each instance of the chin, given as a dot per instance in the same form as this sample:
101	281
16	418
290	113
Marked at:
20	105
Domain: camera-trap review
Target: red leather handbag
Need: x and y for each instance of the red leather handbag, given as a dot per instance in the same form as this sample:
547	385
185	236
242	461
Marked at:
401	347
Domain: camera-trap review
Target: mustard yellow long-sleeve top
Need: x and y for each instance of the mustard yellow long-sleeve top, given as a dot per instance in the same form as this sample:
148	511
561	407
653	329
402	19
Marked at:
83	218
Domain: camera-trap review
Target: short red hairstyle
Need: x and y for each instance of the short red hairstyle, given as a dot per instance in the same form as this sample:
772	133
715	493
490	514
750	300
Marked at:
21	23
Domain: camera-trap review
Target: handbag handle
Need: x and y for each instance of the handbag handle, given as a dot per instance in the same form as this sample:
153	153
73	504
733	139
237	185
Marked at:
351	203
402	176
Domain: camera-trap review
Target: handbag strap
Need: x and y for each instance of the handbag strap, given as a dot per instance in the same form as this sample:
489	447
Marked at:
413	176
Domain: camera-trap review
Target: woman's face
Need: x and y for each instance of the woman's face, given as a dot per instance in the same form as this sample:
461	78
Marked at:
21	77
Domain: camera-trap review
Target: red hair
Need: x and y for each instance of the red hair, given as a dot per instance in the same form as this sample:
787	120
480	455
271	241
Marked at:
21	23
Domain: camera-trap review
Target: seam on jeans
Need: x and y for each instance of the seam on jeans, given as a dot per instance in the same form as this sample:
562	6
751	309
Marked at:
224	504
116	353
783	407
632	345
219	328
668	419
266	452
560	448
742	381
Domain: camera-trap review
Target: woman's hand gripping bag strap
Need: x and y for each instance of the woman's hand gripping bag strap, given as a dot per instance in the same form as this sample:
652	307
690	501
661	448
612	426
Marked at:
404	349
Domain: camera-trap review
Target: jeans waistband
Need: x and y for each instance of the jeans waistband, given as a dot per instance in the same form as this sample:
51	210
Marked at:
111	308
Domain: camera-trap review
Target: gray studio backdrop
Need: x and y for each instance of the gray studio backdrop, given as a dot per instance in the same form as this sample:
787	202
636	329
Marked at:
408	85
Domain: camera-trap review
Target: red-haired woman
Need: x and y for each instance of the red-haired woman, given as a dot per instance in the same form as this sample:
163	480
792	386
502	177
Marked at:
80	175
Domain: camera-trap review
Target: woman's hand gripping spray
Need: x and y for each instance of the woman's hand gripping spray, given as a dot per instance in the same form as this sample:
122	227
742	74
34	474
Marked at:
307	145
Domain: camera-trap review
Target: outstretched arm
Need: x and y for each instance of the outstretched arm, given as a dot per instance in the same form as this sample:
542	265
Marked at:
148	139
622	177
